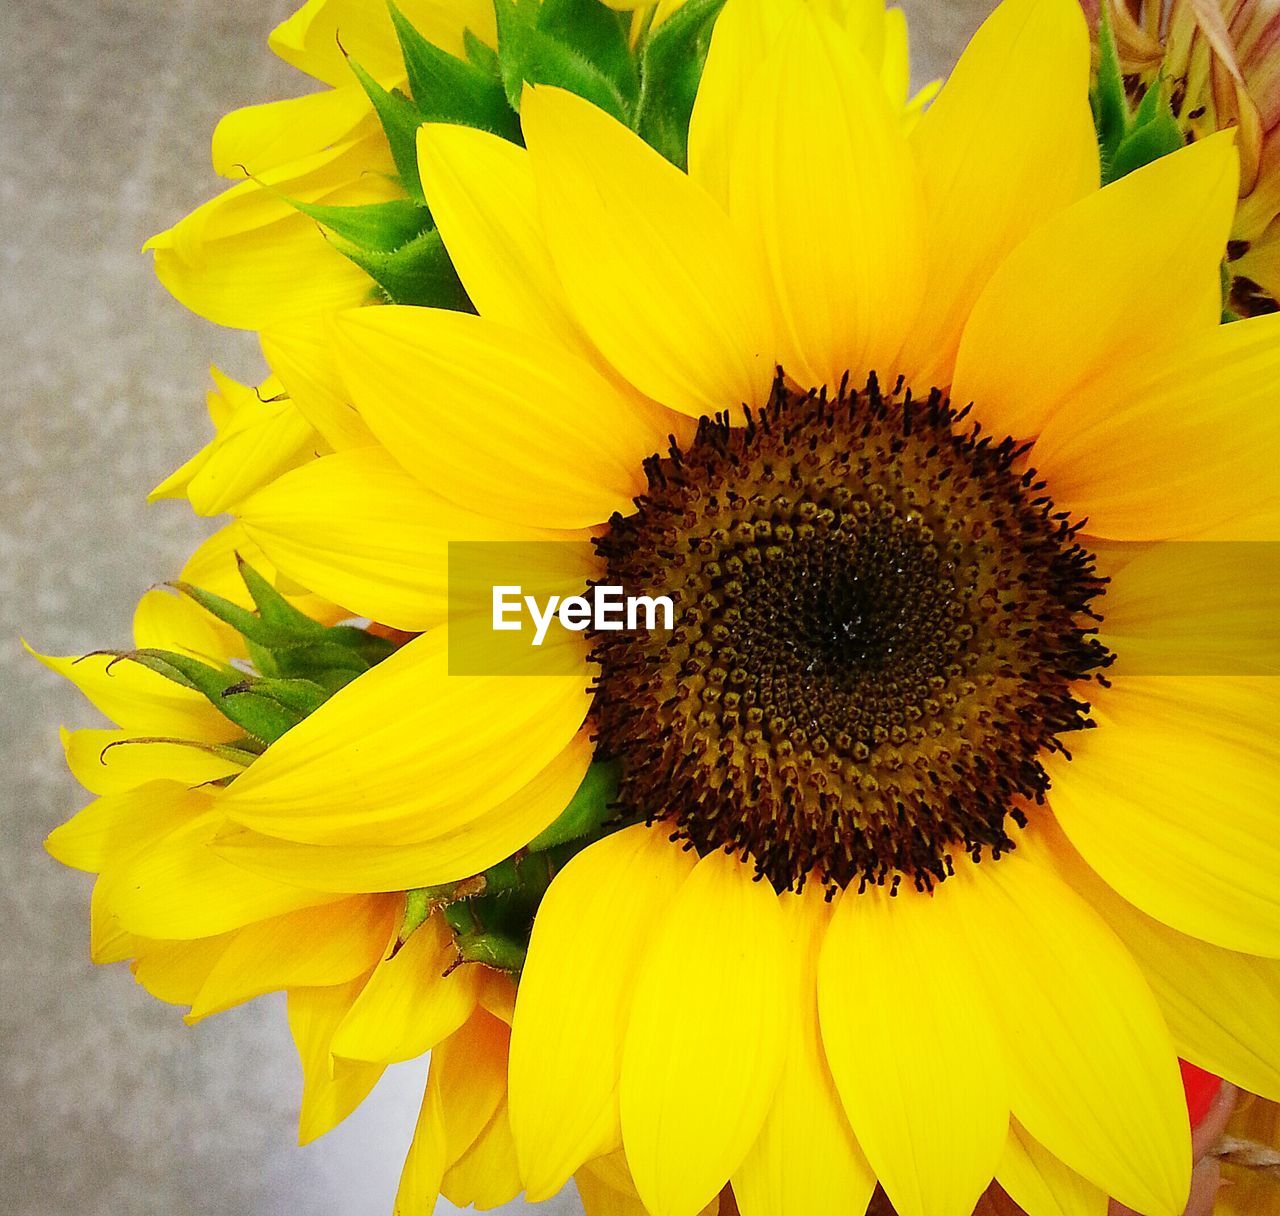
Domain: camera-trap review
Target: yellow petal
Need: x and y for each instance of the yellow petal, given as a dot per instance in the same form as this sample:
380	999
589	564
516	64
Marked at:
214	567
302	357
1040	1184
169	621
592	930
262	440
108	941
511	427
139	700
1232	1038
706	1037
115	827
498	996
322	33
174	972
257	139
1193	608
361	531
405	752
331	1089
990	175
599	1195
1173	800
674	306
466	1089
424	1165
456	854
486	1176
313	948
117	761
1074	300
482	196
1175	444
806	1152
181	888
842	305
912	1046
410	1004
1093	1074
744	33
249	260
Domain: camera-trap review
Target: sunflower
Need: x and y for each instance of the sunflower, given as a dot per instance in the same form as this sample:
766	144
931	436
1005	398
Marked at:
368	981
921	876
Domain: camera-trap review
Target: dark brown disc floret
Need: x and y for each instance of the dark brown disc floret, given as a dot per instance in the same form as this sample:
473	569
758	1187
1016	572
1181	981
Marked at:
881	627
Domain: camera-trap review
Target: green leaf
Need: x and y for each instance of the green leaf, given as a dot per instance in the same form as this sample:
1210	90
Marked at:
528	54
671	63
448	89
587	810
419	272
599	34
379	226
400	121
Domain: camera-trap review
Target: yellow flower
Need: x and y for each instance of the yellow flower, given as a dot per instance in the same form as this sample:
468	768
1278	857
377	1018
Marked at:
249	259
208	934
1222	61
891	666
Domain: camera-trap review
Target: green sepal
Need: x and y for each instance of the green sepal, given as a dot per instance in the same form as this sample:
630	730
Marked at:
400	121
481	54
529	54
382	227
1156	138
418	906
494	950
448	89
1108	97
273	608
587	811
285	643
243	752
599	34
300	696
419	273
261	716
671	63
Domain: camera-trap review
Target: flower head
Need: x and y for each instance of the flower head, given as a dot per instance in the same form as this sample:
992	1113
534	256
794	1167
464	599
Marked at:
920	896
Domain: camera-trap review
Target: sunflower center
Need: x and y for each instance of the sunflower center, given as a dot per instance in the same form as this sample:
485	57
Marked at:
881	625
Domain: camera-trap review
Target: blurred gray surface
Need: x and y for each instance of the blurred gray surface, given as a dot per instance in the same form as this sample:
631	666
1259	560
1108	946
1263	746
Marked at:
108	1105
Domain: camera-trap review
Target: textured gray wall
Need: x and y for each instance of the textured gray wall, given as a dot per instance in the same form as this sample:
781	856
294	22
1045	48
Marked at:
108	1105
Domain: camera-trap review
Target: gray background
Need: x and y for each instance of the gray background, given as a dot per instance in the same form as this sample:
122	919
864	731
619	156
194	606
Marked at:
108	1105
